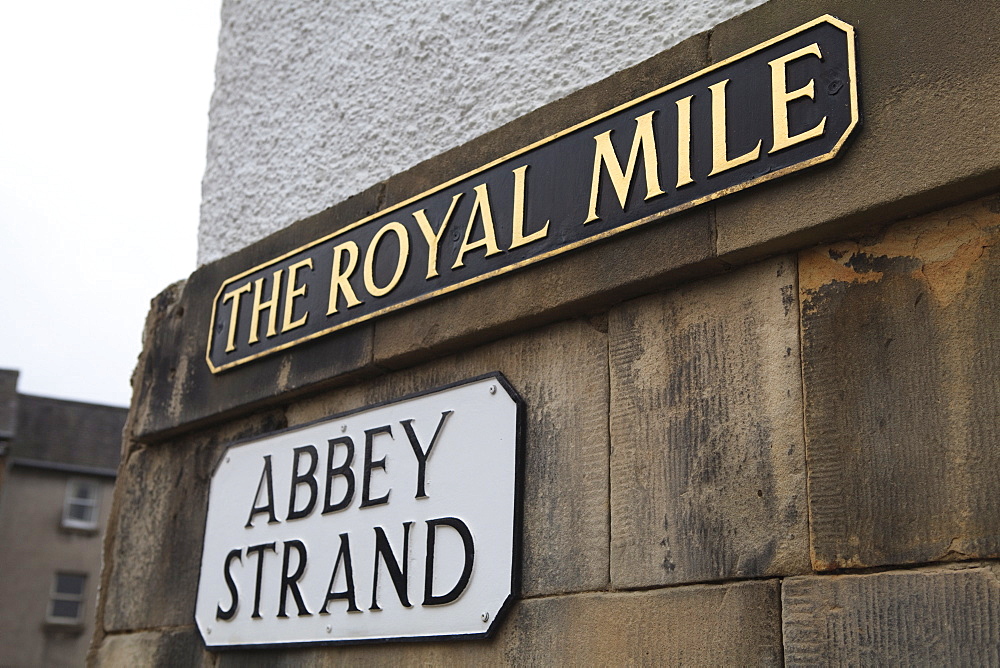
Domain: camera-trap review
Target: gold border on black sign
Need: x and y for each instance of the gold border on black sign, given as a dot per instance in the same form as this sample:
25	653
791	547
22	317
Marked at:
852	68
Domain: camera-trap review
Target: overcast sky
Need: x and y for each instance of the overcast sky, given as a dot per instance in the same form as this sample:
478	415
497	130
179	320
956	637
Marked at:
103	123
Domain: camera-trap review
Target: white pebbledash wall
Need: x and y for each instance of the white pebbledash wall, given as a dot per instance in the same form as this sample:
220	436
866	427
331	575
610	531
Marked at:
317	100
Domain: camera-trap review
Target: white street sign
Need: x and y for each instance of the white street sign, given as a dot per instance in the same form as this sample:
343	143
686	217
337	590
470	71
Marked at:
398	521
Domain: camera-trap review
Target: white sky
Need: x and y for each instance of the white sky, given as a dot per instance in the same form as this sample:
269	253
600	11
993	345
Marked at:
103	124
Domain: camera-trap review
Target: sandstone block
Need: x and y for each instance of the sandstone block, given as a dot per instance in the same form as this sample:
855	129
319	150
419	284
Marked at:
902	382
152	648
707	464
933	617
581	281
561	371
928	84
157	527
176	390
585	280
731	624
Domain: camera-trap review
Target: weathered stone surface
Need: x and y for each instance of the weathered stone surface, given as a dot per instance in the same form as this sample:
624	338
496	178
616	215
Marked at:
933	617
707	464
178	391
928	88
586	280
153	648
580	281
731	624
181	393
153	550
902	374
562	373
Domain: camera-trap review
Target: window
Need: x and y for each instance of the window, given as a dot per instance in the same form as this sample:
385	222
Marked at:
66	604
80	510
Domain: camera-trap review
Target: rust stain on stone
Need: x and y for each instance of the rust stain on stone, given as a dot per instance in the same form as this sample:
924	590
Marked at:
828	264
822	565
836	562
947	277
947	244
939	249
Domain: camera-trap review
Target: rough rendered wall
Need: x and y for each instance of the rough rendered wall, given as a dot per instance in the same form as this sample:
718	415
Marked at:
315	101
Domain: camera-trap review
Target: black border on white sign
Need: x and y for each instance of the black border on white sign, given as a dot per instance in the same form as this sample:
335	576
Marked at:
516	546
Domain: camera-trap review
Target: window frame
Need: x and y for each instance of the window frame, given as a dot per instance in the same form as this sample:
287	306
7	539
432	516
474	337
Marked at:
73	499
59	596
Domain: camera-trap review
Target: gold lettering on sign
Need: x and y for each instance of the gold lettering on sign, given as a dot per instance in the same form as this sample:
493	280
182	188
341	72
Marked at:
781	96
530	204
519	239
235	296
605	154
482	204
684	141
291	292
339	275
403	239
271	305
433	238
720	160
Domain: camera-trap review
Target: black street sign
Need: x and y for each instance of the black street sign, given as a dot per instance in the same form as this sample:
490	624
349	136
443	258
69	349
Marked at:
780	107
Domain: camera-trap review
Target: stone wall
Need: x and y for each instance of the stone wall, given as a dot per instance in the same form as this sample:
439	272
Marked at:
759	432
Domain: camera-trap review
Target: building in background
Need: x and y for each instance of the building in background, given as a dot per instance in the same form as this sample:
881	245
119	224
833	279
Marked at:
59	461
